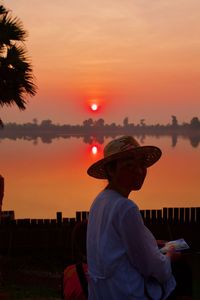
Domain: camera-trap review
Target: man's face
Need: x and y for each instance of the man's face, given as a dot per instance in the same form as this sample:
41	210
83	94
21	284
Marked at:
130	173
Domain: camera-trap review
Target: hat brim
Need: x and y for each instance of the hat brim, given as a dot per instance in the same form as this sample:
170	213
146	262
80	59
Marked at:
151	155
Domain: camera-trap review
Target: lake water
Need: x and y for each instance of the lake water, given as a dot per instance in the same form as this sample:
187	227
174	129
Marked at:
42	178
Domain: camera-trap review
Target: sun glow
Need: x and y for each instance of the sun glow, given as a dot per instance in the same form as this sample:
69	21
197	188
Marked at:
94	107
94	150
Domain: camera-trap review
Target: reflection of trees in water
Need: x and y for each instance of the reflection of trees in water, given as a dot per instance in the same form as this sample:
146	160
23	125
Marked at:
93	139
194	141
194	138
87	139
142	139
174	140
99	137
98	131
46	139
35	142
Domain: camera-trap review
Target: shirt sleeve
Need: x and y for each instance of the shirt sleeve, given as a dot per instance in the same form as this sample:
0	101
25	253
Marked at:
141	247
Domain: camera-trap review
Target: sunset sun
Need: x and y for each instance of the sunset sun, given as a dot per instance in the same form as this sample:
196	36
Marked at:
94	150
94	107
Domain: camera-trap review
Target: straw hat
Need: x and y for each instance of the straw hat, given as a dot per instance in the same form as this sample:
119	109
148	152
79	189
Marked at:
125	146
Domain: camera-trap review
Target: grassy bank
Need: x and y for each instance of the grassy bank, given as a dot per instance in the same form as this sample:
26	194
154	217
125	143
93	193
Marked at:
39	278
30	278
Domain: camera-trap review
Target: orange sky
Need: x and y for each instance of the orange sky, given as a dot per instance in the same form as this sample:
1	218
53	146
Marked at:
138	58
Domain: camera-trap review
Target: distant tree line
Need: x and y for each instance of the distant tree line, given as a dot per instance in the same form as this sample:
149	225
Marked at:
96	130
100	124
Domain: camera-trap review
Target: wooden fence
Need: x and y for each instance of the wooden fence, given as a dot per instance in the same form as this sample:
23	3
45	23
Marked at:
174	215
53	236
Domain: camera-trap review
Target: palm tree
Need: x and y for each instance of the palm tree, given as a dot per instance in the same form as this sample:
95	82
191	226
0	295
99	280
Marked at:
16	74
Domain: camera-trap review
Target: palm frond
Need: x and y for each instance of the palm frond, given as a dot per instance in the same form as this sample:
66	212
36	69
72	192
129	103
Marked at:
16	78
3	10
11	29
16	73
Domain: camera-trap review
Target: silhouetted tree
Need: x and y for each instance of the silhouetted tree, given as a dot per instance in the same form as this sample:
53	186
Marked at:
125	122
174	121
35	121
113	125
46	123
142	122
16	77
88	123
99	123
195	123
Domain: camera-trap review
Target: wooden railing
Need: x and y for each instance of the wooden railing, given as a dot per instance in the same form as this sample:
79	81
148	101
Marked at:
172	215
53	236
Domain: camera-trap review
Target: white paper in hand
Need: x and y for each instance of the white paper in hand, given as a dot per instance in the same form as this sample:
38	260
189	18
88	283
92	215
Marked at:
179	245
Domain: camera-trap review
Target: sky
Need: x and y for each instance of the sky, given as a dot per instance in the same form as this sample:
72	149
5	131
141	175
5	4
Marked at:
138	59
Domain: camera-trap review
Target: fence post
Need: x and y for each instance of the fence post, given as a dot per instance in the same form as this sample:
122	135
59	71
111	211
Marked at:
187	215
165	218
182	216
78	216
59	217
170	215
176	216
1	192
84	215
198	214
148	216
193	215
159	216
142	214
153	216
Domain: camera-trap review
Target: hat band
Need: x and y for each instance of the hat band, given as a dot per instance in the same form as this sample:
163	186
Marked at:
122	148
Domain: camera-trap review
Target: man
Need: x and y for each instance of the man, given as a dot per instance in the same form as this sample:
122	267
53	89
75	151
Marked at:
124	261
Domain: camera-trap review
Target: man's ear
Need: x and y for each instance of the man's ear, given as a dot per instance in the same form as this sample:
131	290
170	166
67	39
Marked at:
111	169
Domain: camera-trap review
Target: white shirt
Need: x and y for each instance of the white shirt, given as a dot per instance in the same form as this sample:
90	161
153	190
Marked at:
122	252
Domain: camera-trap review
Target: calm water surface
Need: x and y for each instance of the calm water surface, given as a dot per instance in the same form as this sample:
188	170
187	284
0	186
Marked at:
43	178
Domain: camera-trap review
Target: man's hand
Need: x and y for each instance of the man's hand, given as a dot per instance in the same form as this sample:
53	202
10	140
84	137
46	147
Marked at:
173	254
161	243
